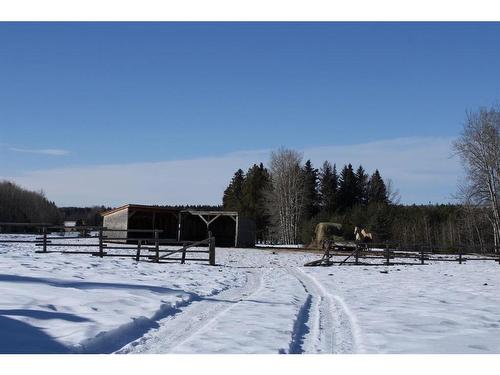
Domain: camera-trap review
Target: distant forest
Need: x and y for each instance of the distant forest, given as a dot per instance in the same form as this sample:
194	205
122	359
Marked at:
22	206
18	205
351	198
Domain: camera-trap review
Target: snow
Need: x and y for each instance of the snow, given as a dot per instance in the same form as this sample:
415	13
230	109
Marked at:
253	301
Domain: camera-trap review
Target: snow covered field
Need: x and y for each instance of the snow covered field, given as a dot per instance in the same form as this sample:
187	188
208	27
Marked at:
253	301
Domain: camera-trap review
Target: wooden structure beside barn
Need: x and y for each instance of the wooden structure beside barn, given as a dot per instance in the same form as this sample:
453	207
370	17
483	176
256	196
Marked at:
228	228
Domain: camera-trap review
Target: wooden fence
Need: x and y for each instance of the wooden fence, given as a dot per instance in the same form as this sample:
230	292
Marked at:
143	247
389	254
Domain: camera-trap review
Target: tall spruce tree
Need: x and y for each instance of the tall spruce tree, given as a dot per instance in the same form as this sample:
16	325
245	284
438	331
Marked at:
335	187
347	188
233	195
311	199
255	188
328	188
377	192
361	186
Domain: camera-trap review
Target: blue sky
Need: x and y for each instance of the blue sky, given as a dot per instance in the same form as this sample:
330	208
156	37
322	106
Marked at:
76	97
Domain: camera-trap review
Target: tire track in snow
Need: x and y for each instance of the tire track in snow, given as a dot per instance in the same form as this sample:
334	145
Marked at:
334	328
319	337
194	318
300	327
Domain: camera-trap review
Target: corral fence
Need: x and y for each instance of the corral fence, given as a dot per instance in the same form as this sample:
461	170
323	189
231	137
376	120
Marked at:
150	246
391	254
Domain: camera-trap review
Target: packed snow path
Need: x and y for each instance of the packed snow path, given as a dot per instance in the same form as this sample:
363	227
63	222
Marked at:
253	301
232	322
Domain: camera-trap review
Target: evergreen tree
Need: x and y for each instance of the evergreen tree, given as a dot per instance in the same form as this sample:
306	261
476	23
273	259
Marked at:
328	188
20	205
380	221
335	187
377	192
361	187
255	188
347	188
311	199
233	195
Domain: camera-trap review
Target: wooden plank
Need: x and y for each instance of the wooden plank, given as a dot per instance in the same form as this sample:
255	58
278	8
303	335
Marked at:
212	220
345	260
193	259
25	224
133	230
62	238
183	257
21	241
157	246
183	248
133	247
151	239
124	255
68	244
79	252
211	248
138	254
100	243
44	244
170	251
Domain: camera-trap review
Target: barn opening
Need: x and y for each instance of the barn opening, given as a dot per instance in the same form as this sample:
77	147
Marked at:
228	228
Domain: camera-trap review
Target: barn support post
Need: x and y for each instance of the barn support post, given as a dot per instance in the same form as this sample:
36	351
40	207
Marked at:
157	246
179	228
236	231
211	249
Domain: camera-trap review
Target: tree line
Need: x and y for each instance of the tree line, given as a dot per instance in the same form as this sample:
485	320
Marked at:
19	205
289	198
23	206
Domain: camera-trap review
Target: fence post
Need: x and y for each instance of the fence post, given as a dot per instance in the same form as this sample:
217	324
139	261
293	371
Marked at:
101	250
44	231
183	257
422	255
460	257
157	246
356	255
211	249
387	262
138	255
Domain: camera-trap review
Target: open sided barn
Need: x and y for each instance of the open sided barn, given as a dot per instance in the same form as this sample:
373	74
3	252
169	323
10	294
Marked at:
228	228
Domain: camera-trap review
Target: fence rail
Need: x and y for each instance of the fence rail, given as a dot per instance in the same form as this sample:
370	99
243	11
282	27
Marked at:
390	253
151	244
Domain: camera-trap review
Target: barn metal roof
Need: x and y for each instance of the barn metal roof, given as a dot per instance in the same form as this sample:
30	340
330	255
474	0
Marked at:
167	209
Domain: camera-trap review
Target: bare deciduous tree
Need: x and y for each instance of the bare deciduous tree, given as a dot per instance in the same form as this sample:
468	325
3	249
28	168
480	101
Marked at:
479	150
393	194
287	196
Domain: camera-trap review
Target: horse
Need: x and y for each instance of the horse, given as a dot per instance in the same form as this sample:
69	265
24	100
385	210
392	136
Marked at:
362	234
